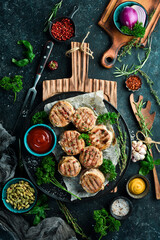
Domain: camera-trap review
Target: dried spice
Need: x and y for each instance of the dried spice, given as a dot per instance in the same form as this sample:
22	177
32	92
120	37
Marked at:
133	83
62	30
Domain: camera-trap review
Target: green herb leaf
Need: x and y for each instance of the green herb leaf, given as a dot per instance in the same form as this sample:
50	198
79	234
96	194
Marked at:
108	168
39	209
29	55
39	117
137	31
157	162
110	117
86	138
143	171
20	63
105	222
14	84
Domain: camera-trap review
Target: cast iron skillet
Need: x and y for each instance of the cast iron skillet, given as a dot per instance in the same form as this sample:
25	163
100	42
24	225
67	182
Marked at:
31	162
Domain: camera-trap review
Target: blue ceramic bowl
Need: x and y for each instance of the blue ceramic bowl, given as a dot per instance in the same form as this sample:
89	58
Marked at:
118	11
4	195
40	154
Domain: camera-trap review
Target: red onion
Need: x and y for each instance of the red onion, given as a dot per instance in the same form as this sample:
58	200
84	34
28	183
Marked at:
141	14
128	17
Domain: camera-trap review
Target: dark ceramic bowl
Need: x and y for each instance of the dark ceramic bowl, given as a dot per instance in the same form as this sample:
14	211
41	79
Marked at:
118	11
129	204
4	195
143	194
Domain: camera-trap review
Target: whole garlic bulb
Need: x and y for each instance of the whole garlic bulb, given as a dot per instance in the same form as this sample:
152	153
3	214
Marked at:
138	151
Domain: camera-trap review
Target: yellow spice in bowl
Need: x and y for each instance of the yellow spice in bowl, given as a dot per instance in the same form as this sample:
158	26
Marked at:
137	186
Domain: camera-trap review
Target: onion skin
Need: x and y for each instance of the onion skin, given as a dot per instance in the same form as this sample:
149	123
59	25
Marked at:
128	17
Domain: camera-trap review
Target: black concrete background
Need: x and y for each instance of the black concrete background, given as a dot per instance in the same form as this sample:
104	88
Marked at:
22	19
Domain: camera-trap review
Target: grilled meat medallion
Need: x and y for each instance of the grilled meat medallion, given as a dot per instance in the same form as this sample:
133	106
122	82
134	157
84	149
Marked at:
70	142
101	137
61	113
91	157
84	119
92	180
69	166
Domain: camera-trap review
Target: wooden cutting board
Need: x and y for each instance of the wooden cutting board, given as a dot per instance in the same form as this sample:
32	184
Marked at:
118	39
79	80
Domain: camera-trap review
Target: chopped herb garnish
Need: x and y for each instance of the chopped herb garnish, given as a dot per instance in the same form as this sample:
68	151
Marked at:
39	117
107	117
86	138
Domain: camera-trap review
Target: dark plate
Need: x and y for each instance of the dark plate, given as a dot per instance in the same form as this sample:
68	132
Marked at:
31	162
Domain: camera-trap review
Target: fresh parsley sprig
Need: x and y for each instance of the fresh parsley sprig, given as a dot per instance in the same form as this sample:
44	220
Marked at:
39	209
105	222
39	117
14	84
46	171
86	138
52	14
107	167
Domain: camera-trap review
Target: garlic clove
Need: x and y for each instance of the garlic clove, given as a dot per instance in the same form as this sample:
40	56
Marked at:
142	151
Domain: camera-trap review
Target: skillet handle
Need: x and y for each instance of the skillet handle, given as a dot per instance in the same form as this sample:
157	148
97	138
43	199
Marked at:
75	9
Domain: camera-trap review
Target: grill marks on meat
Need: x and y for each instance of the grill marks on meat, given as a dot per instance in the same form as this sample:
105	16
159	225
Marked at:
69	166
84	119
92	180
70	142
101	137
61	114
91	157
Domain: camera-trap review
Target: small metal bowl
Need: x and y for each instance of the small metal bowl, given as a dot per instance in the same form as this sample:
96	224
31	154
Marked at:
4	195
143	194
133	90
118	11
129	204
40	154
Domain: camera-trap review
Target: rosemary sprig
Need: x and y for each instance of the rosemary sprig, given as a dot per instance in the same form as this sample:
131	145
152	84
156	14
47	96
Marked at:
142	123
52	14
125	70
71	220
150	83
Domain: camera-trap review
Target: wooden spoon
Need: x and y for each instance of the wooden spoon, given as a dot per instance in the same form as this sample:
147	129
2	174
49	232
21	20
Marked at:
149	119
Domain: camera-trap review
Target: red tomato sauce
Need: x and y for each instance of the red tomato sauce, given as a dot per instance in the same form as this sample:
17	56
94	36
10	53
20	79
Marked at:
40	140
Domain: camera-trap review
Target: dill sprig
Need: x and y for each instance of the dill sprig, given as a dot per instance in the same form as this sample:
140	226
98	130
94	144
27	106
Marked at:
125	70
71	220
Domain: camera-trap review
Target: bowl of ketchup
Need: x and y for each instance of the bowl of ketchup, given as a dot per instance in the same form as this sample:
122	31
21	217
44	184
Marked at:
40	140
